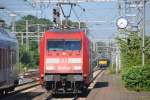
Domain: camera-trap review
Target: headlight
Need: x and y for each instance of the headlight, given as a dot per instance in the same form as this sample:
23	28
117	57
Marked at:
50	68
77	67
75	60
42	75
52	60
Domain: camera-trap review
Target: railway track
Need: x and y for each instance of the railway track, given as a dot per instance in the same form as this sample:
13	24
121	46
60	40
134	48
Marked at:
36	92
26	86
20	89
48	96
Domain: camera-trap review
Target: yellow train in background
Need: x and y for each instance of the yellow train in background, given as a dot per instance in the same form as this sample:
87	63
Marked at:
102	63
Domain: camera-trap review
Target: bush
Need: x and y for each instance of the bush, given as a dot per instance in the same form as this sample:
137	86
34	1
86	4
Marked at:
22	67
137	78
26	58
29	58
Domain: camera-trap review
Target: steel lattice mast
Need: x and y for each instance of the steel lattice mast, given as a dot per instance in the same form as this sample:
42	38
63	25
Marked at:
134	12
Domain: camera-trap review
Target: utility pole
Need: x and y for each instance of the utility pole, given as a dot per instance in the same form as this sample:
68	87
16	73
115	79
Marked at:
135	13
27	35
21	38
13	22
38	30
79	23
143	35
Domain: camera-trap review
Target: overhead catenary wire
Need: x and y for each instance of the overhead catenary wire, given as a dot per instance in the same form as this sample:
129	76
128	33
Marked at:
78	18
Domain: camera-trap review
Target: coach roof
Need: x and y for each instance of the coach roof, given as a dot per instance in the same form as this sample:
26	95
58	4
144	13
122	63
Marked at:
7	36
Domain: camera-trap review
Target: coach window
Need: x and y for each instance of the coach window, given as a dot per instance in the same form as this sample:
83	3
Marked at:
0	59
5	59
9	64
8	57
11	58
3	56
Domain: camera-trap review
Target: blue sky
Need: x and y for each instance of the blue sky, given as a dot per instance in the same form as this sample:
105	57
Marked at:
105	12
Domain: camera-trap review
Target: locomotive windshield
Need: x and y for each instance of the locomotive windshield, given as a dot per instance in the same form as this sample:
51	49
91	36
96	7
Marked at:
64	45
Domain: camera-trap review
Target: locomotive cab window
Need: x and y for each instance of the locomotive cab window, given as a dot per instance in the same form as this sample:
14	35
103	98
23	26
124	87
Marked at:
63	45
72	45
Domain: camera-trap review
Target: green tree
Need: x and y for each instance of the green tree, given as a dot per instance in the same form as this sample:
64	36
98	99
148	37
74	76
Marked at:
21	24
26	58
134	75
31	58
130	47
74	24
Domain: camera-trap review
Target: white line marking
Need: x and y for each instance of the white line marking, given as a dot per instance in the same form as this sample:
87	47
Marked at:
94	82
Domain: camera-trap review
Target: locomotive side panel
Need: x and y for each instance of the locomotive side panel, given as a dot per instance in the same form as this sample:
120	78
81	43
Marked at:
41	67
86	63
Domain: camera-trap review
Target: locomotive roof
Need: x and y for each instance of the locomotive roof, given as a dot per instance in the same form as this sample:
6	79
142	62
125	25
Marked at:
7	36
66	30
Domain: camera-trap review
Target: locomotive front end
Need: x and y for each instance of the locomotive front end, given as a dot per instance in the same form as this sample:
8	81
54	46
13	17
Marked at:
63	63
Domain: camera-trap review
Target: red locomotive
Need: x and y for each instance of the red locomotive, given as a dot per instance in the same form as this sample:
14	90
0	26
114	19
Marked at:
65	60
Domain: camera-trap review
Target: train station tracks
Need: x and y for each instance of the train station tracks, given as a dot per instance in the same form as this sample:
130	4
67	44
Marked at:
33	91
103	87
22	88
26	87
47	96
